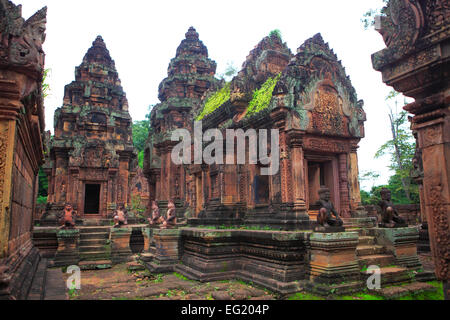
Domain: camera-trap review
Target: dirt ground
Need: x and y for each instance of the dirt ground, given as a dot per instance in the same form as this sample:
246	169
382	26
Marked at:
118	283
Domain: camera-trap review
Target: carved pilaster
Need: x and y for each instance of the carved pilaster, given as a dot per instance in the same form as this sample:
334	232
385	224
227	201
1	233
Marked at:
298	170
416	63
343	186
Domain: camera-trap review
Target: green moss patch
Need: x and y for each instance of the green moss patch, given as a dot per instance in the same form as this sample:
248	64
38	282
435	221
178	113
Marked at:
215	101
262	96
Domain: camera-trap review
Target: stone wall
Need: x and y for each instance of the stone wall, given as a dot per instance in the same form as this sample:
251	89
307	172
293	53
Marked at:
21	145
275	260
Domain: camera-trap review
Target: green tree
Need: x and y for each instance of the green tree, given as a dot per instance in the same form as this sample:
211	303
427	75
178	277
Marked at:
368	19
230	71
42	177
140	133
42	187
401	149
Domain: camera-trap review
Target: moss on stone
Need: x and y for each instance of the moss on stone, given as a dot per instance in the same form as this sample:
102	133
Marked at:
263	96
215	101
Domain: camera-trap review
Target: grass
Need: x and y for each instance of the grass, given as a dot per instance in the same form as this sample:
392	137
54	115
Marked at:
427	295
180	276
159	278
73	293
360	296
305	296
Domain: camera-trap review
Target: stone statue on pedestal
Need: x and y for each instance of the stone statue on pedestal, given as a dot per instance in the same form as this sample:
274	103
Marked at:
171	219
328	218
120	216
155	219
389	215
67	220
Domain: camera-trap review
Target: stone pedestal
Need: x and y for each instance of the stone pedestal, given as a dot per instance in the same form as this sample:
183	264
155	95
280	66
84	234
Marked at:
120	245
360	222
333	264
147	233
167	250
402	243
68	248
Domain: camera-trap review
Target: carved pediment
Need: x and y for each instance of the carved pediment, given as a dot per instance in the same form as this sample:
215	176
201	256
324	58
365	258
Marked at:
21	41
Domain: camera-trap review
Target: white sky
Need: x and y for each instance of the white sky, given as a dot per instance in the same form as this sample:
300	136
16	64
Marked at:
142	37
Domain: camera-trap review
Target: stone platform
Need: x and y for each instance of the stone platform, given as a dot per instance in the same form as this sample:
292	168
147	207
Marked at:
290	261
91	247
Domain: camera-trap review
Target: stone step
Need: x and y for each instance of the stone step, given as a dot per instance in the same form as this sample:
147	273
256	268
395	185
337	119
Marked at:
94	229
396	292
365	250
95	264
94	235
94	255
55	286
380	260
93	242
86	249
391	275
37	290
366	240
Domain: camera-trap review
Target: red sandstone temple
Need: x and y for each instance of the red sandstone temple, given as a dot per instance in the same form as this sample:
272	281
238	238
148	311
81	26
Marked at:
312	103
92	158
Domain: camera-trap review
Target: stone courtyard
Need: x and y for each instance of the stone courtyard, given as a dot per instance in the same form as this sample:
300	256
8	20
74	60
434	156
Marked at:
122	283
289	225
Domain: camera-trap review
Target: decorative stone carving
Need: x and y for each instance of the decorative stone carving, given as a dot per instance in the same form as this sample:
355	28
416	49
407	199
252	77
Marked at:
390	217
93	139
325	219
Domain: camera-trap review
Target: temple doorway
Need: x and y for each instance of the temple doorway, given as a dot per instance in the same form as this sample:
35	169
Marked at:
261	188
92	199
321	172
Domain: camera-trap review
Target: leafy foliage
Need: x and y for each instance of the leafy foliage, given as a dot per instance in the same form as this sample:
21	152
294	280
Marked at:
141	159
229	72
140	133
261	97
42	187
401	149
215	101
275	33
368	19
45	85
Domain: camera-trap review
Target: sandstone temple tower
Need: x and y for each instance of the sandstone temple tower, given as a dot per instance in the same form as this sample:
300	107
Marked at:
92	154
190	75
308	98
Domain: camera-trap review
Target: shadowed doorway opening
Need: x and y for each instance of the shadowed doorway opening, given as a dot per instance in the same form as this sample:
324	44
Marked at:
92	199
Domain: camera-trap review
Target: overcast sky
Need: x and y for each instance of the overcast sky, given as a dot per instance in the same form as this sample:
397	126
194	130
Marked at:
142	37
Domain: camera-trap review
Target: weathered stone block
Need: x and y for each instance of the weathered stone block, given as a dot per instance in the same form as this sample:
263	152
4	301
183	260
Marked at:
167	253
120	245
273	259
68	248
402	243
333	262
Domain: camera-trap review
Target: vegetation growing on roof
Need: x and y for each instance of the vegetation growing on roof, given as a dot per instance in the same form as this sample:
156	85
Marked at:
276	33
262	96
215	101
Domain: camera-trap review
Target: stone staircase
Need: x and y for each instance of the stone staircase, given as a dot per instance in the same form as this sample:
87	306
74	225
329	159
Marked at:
369	253
95	248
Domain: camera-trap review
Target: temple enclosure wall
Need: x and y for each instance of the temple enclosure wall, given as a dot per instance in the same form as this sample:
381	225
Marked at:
21	147
416	62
